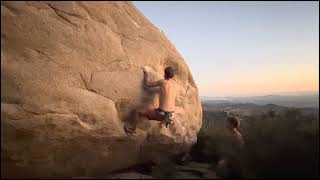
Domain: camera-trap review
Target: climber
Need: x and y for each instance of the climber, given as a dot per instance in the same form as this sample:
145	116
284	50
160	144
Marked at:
167	94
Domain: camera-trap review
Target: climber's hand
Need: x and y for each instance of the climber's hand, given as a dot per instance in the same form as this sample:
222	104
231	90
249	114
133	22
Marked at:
146	69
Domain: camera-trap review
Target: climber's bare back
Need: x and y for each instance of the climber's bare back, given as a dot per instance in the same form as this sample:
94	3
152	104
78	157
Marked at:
167	95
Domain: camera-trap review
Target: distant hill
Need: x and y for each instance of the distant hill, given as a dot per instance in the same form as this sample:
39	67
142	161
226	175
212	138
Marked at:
240	108
301	100
215	114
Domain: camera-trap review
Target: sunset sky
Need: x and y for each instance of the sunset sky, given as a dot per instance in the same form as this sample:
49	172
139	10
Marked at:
243	48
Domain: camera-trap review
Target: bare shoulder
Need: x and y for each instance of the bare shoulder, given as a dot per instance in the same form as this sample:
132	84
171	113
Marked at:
170	83
173	82
240	138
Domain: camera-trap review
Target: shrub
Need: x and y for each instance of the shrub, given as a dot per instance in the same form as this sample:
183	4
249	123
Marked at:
282	144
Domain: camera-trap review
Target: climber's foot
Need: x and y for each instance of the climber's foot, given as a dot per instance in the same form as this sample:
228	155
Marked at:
129	130
169	122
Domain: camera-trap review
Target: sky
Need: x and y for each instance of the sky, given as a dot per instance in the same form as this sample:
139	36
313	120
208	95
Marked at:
243	48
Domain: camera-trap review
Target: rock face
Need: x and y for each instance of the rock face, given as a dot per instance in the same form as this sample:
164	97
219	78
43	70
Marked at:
70	78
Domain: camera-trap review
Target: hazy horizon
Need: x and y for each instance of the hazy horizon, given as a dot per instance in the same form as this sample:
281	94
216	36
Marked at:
292	93
243	48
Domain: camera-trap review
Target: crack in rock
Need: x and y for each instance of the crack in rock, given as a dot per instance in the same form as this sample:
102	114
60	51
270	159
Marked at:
59	14
46	55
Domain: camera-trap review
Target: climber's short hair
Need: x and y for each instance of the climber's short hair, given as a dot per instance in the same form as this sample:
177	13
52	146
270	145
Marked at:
168	72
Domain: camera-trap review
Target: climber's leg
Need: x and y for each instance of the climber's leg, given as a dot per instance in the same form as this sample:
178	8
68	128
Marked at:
131	125
138	115
153	114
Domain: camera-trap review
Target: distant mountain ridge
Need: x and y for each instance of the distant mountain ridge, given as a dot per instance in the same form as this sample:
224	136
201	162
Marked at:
299	100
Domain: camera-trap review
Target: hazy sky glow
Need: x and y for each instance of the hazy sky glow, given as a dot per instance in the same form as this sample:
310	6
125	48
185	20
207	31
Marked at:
243	48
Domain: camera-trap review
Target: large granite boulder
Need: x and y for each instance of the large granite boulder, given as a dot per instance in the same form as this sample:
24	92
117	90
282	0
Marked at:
70	78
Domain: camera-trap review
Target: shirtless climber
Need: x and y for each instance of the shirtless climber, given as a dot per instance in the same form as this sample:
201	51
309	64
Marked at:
167	95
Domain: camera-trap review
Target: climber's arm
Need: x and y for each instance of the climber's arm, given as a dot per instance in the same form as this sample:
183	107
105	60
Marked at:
154	83
150	83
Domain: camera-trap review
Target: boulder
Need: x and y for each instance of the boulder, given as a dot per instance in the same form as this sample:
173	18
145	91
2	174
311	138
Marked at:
71	75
